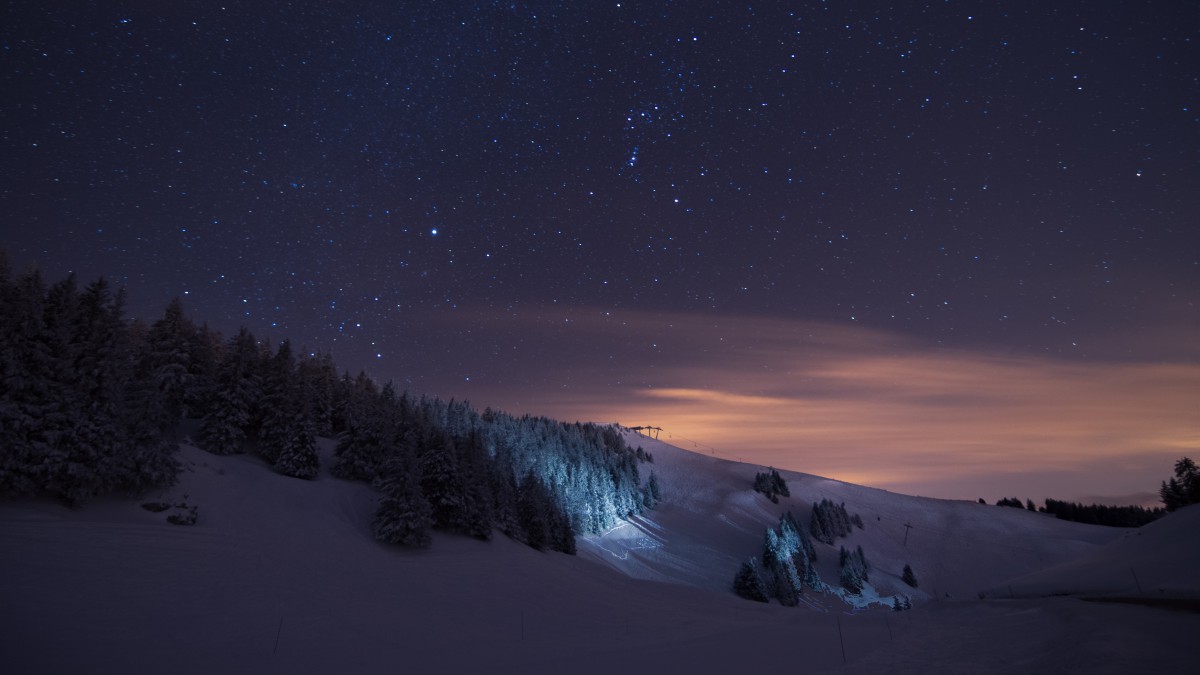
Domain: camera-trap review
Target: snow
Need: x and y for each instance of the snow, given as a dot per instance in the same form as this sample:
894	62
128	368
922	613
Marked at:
281	575
1159	560
712	521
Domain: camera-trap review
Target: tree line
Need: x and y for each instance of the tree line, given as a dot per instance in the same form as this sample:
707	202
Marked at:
91	404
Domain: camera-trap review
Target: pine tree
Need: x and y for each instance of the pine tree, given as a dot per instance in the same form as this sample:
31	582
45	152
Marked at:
441	481
533	506
404	516
784	582
318	379
830	521
1189	479
504	497
855	571
280	401
778	486
1184	488
370	430
748	582
165	366
771	484
477	496
298	456
30	388
97	453
653	491
562	534
908	577
236	388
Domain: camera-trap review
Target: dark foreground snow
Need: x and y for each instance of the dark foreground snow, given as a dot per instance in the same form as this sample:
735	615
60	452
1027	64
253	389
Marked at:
281	575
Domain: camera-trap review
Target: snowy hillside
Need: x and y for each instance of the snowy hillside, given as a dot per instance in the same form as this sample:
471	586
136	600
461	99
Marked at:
711	521
1158	561
282	575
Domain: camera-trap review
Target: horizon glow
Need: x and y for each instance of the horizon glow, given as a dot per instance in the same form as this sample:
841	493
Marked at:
866	406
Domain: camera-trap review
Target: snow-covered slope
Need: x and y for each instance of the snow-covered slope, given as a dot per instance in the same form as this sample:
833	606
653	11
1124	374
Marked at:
281	575
712	521
1159	560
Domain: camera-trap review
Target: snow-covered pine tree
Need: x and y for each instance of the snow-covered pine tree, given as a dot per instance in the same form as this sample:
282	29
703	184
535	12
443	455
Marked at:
782	579
855	571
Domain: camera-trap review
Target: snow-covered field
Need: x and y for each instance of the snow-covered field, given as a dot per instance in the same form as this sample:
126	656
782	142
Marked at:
281	575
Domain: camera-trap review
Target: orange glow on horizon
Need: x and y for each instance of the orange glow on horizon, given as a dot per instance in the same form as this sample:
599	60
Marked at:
885	411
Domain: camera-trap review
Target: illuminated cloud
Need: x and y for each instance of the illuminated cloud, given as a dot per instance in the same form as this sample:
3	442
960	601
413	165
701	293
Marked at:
862	405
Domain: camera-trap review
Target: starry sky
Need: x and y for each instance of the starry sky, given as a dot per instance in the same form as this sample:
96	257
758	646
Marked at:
945	248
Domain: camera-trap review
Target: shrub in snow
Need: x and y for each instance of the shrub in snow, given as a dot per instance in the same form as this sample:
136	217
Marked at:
186	516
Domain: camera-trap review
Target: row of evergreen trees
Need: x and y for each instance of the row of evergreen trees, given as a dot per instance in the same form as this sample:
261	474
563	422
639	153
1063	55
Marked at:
91	404
1102	514
854	569
830	521
446	466
771	484
1176	492
789	557
87	402
1092	514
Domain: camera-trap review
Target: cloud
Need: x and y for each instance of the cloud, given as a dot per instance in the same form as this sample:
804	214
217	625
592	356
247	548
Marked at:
860	404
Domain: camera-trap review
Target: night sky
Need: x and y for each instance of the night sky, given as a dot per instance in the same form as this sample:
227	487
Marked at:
943	248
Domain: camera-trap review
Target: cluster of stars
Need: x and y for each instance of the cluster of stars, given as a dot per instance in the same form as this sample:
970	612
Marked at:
339	178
